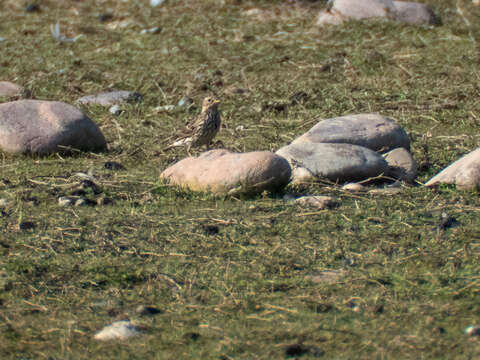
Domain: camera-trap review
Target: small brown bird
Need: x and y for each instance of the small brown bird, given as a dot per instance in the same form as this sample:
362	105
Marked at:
202	129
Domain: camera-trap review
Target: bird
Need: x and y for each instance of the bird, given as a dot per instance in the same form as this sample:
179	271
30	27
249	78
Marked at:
202	129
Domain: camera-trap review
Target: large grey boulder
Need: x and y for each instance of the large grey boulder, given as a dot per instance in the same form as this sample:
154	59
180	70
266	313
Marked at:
221	171
415	13
464	173
335	162
407	12
41	127
373	131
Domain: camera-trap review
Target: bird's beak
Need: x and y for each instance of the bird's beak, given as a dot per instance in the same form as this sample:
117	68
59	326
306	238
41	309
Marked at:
216	101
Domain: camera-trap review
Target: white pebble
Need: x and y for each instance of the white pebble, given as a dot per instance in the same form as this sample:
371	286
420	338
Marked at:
473	330
119	330
115	110
353	187
165	108
156	2
64	201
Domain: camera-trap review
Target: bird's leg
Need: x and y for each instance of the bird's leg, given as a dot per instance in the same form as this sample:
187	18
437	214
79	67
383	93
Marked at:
188	150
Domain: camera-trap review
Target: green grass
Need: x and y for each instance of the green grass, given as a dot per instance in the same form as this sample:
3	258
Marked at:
408	288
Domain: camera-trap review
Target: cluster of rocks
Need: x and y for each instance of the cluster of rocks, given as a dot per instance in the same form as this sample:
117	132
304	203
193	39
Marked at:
341	150
401	11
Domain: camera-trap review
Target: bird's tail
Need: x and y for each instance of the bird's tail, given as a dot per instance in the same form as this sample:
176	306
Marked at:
178	143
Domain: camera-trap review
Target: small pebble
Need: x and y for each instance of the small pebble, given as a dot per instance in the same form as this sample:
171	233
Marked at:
115	110
156	2
119	330
353	187
165	108
64	201
318	202
153	30
473	330
3	202
80	202
288	197
185	101
84	176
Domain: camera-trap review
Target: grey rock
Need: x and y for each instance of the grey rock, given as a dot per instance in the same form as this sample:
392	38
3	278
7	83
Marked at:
364	9
185	102
115	110
318	202
402	165
407	12
373	131
464	173
336	162
111	98
414	13
326	277
42	127
221	171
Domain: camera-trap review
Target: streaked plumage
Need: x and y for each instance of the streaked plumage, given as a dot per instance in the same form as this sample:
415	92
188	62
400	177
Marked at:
202	129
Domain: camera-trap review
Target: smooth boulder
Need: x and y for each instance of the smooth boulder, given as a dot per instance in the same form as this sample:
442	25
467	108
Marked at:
406	12
464	173
221	171
373	131
402	165
42	127
110	98
415	13
335	162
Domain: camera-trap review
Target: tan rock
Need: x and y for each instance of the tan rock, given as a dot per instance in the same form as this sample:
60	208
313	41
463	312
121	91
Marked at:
464	173
221	171
35	126
10	89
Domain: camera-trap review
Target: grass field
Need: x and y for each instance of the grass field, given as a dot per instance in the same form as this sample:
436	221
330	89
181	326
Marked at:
232	276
